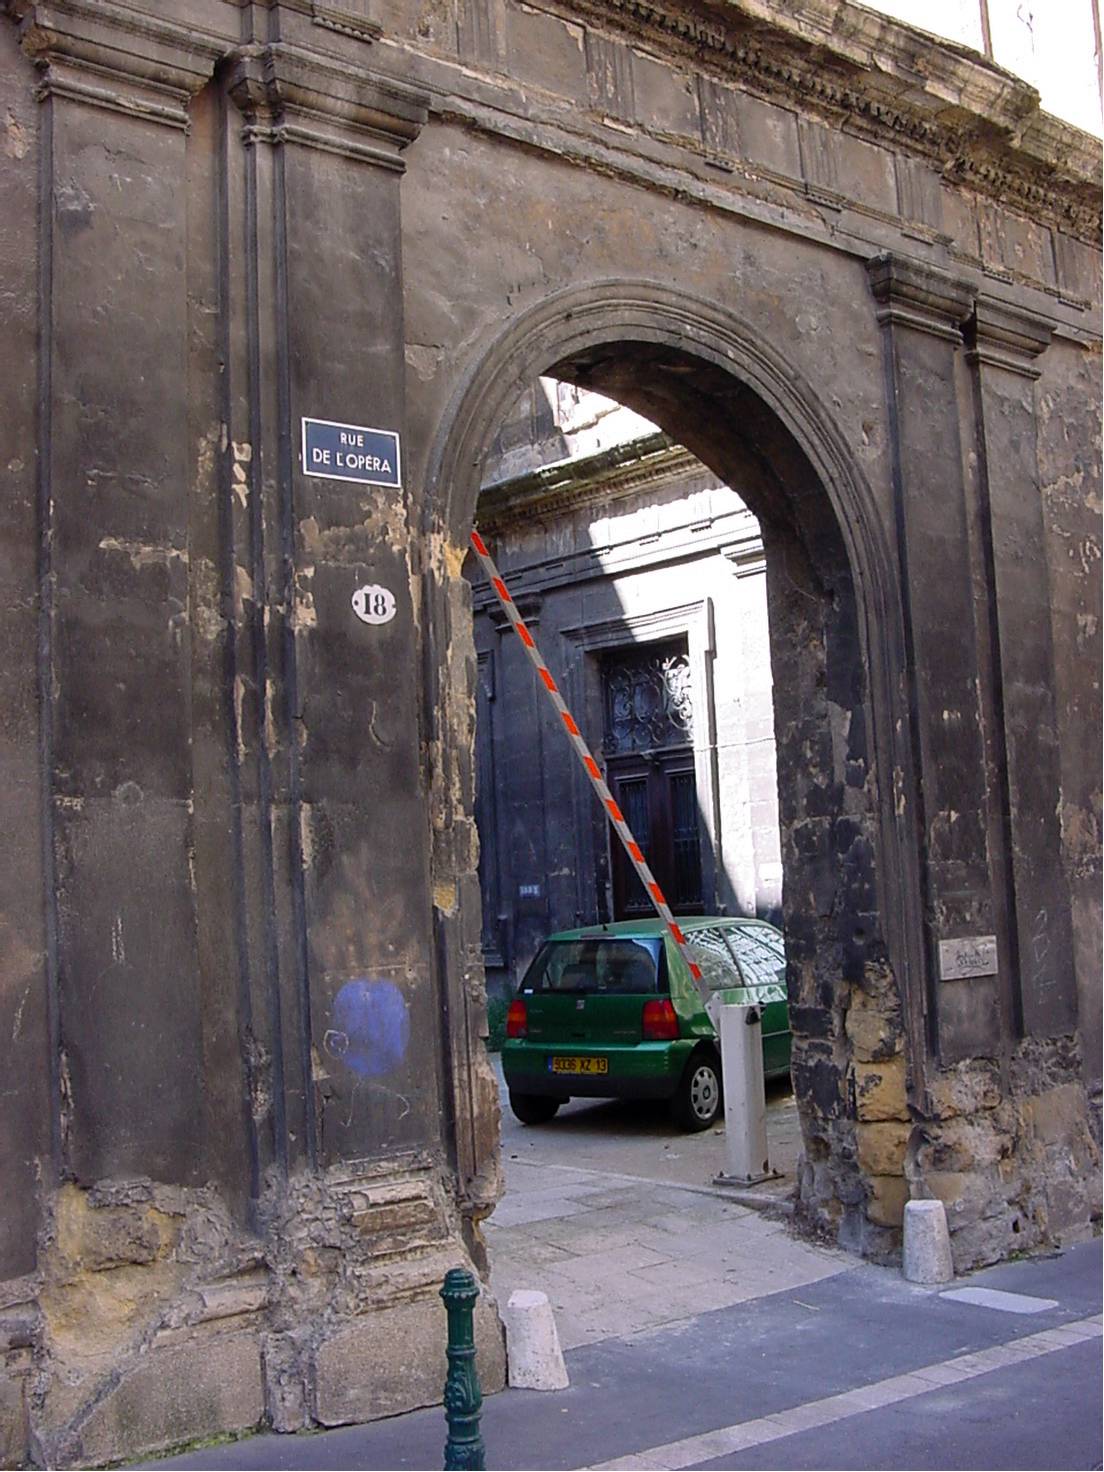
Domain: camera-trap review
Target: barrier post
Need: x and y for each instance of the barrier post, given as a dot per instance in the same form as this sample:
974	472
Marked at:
740	1031
464	1449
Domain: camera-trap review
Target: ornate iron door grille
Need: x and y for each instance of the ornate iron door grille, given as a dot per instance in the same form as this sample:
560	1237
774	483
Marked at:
648	700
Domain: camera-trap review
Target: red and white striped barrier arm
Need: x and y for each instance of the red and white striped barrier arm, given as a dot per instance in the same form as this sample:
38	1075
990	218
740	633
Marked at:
590	766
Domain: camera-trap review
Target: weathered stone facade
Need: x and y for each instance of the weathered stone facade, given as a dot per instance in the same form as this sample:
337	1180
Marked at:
248	1119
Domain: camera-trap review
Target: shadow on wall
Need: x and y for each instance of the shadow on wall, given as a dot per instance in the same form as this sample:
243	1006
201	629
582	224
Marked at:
643	578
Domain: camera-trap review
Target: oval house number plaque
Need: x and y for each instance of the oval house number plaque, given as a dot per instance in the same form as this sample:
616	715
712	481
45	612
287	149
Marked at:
373	604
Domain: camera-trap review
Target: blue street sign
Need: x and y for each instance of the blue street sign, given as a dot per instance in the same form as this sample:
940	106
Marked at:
351	452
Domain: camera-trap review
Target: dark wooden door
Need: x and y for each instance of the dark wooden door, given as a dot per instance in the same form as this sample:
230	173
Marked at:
658	797
648	745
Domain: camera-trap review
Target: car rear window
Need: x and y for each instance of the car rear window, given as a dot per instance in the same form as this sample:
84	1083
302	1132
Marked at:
617	964
745	957
762	960
714	959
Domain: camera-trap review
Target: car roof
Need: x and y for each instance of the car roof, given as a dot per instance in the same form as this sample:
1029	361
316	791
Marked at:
688	924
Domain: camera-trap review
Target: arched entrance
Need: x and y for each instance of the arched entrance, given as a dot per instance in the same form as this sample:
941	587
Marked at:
836	639
240	824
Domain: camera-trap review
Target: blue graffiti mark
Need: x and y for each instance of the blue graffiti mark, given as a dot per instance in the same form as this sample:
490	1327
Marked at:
371	1027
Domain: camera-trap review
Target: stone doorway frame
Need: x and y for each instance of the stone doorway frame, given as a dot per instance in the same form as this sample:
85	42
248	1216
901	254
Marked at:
692	622
540	340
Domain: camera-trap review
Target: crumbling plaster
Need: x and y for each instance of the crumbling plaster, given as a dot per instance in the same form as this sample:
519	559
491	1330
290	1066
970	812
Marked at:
877	261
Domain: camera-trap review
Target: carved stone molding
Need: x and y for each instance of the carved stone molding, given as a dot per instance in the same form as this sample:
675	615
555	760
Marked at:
747	556
528	606
921	297
879	79
1000	336
349	18
591	480
110	56
352	18
679	621
290	95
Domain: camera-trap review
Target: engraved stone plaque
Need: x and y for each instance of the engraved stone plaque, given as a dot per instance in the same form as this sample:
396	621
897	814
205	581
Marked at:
968	955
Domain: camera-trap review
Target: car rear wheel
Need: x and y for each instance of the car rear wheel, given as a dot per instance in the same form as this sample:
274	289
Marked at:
697	1102
534	1108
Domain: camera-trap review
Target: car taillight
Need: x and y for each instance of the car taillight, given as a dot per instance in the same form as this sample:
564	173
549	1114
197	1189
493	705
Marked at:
516	1021
659	1023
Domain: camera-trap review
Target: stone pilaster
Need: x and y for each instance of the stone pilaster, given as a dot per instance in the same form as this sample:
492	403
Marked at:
985	1136
1004	344
338	802
124	1054
28	1122
125	1051
921	310
375	1118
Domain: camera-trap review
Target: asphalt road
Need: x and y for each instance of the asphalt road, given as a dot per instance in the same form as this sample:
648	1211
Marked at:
700	1334
882	1374
637	1138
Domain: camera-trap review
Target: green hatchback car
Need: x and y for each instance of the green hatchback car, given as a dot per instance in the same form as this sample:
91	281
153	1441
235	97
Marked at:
612	1012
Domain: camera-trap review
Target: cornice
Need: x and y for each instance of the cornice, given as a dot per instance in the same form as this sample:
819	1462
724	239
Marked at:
136	41
999	336
111	56
288	94
922	297
658	623
976	124
528	606
611	475
688	176
1046	191
677	545
748	556
136	61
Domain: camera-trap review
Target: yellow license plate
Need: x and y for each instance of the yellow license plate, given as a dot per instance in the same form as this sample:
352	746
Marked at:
576	1064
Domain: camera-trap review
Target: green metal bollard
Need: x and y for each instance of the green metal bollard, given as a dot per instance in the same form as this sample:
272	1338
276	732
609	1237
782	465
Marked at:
464	1449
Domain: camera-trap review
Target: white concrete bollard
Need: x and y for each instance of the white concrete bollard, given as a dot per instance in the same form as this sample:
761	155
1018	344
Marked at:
740	1033
927	1245
533	1352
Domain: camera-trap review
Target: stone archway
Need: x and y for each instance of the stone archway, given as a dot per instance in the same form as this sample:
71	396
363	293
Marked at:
836	638
231	800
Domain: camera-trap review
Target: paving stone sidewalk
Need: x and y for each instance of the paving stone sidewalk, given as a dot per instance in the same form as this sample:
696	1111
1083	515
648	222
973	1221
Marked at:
612	1212
617	1255
700	1333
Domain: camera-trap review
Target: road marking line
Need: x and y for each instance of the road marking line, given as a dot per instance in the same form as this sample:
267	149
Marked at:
937	1374
707	1446
1009	1303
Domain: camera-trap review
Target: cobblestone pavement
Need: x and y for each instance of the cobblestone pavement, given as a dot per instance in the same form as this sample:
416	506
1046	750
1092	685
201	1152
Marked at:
612	1212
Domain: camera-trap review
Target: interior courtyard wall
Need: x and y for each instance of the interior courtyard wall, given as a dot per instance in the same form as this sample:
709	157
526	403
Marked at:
217	222
679	559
